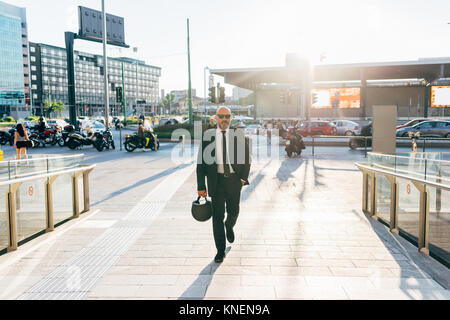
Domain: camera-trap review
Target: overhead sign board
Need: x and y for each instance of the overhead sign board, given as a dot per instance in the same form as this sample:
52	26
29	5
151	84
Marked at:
91	26
440	96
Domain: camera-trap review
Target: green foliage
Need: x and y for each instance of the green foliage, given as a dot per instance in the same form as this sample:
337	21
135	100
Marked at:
53	107
32	118
168	100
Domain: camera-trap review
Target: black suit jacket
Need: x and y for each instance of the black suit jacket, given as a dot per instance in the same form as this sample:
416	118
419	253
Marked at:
241	164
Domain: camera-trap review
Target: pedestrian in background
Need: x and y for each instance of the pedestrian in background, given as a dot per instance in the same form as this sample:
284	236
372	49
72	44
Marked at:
21	141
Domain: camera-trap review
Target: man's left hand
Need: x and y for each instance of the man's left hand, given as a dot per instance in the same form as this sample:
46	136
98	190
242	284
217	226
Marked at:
243	182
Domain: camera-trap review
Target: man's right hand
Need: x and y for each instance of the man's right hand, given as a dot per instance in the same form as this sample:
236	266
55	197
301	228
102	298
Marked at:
203	194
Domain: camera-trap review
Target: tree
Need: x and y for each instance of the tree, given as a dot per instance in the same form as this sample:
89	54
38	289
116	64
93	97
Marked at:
53	107
168	101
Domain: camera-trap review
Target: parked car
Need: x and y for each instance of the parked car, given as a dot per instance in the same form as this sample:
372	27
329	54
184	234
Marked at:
430	129
318	128
252	129
412	123
57	122
366	131
165	122
347	128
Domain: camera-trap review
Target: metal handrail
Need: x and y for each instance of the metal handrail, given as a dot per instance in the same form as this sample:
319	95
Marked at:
410	172
53	158
402	176
47	175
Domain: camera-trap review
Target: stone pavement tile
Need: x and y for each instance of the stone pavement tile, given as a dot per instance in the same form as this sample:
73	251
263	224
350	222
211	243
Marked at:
310	293
315	248
268	262
339	282
125	261
430	294
352	256
247	254
181	292
379	294
243	270
182	270
293	254
325	262
405	283
300	271
250	247
114	291
273	281
229	261
382	264
243	292
361	272
390	256
207	280
12	292
127	280
130	270
409	272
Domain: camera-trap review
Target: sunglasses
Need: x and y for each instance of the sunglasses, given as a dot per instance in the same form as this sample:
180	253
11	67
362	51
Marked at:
221	116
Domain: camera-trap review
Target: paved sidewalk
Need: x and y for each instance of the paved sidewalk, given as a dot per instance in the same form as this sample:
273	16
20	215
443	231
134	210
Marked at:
300	235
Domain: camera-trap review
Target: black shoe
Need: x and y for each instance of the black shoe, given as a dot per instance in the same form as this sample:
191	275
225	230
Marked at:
219	257
230	234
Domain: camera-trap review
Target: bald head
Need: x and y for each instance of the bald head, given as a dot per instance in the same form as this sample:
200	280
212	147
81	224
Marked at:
223	118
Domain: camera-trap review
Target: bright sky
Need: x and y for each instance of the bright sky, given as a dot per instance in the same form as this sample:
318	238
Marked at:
254	33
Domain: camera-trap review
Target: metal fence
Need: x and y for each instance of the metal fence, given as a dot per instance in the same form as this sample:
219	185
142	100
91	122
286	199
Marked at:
410	193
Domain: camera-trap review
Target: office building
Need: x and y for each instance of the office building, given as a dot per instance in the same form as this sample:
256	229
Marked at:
14	62
49	82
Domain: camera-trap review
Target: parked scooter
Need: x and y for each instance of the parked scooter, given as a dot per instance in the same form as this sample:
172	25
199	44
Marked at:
295	143
76	139
104	140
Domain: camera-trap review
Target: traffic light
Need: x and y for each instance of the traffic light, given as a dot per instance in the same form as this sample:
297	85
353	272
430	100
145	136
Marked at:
289	97
119	95
212	95
315	98
283	97
221	95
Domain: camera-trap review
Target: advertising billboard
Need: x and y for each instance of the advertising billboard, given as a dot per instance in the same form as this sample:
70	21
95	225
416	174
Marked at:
440	96
336	98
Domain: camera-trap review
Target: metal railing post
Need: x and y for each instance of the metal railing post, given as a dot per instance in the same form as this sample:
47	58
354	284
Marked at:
373	212
12	223
393	211
365	192
75	195
49	203
424	215
86	190
439	194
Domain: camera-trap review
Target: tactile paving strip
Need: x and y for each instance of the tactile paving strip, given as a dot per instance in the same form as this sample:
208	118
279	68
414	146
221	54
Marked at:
74	279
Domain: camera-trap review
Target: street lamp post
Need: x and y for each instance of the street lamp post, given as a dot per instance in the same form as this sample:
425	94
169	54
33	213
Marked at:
105	66
206	94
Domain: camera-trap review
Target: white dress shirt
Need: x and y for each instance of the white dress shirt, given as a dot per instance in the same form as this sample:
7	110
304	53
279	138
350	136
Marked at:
219	150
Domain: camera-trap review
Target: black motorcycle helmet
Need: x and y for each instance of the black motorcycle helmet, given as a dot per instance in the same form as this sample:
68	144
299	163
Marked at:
202	212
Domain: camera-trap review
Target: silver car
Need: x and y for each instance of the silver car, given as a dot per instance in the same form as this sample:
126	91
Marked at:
347	128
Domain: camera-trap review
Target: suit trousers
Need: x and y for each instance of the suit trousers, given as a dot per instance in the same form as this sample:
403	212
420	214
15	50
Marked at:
227	198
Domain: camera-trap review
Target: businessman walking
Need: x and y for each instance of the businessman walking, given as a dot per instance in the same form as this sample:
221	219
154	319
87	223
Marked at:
224	160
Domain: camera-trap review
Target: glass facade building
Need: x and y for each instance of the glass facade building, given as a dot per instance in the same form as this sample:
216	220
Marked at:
14	64
49	81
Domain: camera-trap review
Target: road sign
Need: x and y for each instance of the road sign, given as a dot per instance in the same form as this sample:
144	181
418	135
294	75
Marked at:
408	189
91	26
30	191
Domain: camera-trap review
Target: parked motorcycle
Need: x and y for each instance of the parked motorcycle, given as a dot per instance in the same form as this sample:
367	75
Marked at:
133	142
51	136
7	137
76	139
295	143
104	140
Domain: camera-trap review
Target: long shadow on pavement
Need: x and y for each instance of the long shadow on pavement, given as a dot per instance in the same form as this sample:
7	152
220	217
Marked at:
141	182
200	281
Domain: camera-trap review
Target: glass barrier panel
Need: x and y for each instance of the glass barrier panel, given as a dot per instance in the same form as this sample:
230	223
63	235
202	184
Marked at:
30	209
408	207
64	163
3	221
369	193
383	198
439	227
62	198
23	169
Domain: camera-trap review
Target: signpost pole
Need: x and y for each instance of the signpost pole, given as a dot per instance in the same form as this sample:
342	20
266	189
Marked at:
191	119
105	66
